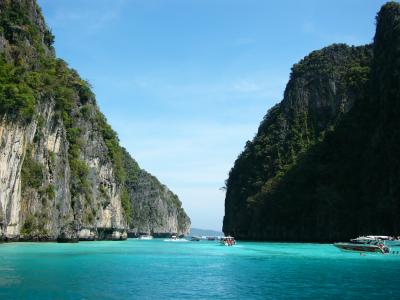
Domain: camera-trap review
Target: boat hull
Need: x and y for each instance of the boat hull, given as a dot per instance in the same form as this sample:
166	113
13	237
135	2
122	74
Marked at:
359	247
146	238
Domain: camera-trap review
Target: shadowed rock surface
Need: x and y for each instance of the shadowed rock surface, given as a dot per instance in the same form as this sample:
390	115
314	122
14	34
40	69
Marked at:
324	165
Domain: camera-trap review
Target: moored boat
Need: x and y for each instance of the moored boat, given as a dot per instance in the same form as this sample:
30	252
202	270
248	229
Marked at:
228	241
174	238
359	247
145	237
195	239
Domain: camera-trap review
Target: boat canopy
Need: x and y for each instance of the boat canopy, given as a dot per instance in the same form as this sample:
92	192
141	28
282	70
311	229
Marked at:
378	237
374	237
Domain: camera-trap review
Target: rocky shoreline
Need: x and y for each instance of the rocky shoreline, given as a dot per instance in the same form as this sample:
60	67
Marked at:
86	234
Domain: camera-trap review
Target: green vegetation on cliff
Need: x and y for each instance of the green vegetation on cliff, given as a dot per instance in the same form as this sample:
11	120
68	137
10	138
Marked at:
17	25
323	165
153	206
17	98
31	171
74	173
30	73
20	75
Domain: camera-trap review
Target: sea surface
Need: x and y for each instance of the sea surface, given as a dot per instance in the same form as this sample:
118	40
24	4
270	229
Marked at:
156	269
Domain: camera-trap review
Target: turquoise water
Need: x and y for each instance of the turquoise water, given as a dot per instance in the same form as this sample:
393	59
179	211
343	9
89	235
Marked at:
156	269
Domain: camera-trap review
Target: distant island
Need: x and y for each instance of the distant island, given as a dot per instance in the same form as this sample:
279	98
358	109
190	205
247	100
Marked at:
324	164
204	232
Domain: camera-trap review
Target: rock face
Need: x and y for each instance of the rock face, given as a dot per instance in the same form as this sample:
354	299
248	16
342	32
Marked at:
156	210
322	165
61	166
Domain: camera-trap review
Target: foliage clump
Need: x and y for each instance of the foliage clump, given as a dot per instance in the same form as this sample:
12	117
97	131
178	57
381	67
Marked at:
31	171
17	97
35	226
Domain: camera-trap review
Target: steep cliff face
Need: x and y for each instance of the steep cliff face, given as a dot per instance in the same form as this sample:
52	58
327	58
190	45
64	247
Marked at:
61	166
342	182
155	209
316	97
38	202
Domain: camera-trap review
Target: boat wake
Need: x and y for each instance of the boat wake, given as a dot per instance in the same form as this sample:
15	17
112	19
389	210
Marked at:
175	240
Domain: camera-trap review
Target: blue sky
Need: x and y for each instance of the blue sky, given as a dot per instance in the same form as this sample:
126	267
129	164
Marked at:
185	83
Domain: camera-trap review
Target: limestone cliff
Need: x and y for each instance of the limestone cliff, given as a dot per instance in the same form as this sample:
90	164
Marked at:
156	210
315	99
61	166
324	165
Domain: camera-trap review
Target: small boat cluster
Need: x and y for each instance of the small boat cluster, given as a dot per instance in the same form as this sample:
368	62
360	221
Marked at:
205	238
370	243
175	238
226	240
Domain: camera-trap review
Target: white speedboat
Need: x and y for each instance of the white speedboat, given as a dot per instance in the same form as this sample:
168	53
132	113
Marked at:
359	247
386	240
145	237
228	241
369	243
174	238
